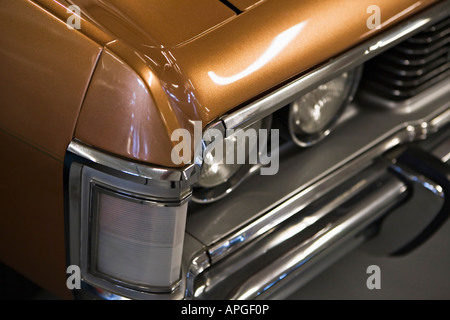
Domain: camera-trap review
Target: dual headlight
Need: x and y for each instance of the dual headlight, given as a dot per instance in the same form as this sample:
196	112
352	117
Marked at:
311	118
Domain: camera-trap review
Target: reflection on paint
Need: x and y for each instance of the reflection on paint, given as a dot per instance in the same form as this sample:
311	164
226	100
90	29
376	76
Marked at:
277	45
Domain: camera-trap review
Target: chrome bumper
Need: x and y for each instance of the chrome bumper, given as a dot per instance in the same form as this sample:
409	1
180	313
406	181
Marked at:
275	249
290	242
286	257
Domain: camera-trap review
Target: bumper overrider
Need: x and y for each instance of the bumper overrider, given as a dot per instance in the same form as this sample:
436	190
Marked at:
273	233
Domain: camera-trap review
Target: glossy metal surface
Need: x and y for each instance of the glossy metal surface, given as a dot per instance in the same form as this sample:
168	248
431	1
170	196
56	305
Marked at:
436	178
154	22
119	111
44	76
229	65
356	56
293	41
244	5
370	206
282	212
421	209
232	224
290	254
186	175
45	70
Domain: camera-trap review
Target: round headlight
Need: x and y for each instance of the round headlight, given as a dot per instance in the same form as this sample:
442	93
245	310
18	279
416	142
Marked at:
216	170
313	116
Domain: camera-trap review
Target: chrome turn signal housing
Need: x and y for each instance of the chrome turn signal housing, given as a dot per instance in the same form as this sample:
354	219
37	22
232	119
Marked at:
129	236
126	223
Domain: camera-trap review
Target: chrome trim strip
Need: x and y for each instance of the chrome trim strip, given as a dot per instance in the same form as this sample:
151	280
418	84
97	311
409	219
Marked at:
337	230
199	263
414	177
407	132
354	57
275	217
187	174
316	236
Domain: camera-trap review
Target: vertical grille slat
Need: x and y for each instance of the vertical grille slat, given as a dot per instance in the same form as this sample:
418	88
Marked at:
412	66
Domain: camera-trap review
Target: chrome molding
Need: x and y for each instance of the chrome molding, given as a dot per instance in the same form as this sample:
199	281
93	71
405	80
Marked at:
185	176
389	191
199	263
316	235
407	132
352	58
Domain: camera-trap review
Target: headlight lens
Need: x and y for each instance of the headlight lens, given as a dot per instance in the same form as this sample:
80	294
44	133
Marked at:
312	117
217	169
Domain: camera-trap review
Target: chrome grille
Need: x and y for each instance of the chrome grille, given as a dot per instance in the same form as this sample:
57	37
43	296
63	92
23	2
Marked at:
412	66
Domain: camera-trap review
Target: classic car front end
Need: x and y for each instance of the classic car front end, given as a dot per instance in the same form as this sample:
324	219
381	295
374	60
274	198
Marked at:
334	126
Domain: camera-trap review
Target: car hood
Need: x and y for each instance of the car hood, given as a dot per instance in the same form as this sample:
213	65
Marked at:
210	58
228	58
156	23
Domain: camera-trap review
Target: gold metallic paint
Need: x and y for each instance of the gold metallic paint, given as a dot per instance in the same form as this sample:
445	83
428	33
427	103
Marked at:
245	51
244	5
32	213
120	108
45	71
161	23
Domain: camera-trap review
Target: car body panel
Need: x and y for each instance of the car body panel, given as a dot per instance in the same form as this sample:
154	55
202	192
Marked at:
32	213
48	74
46	69
157	22
118	95
235	62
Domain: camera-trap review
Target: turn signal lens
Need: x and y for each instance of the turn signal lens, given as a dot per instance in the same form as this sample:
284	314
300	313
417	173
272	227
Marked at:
137	241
